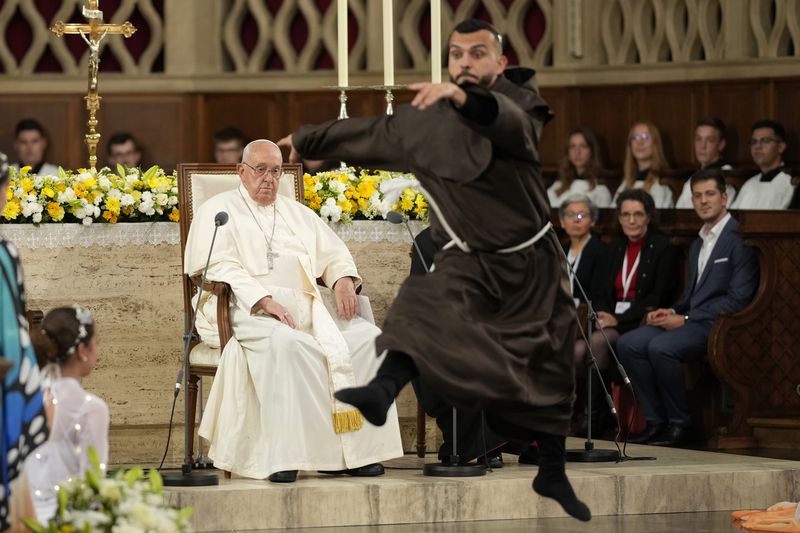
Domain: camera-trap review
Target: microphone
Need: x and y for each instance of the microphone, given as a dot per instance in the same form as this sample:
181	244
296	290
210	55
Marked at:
396	218
220	219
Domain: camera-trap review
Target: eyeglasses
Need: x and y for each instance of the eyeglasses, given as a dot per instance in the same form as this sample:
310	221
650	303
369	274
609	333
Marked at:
641	137
637	215
261	171
569	215
763	140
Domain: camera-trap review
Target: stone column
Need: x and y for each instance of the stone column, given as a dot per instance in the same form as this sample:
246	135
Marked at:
192	37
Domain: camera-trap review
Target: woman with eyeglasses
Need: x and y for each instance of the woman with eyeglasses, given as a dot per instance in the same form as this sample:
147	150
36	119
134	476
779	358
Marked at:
641	275
588	257
644	164
579	171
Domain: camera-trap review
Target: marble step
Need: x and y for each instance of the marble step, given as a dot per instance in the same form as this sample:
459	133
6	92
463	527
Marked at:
676	481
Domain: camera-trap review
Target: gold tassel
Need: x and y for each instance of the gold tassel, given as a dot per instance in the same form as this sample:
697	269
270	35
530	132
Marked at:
347	421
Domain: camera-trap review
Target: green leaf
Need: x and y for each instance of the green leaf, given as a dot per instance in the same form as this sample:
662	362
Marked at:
185	514
133	475
33	525
93	479
150	173
121	170
156	483
94	459
63	497
61	173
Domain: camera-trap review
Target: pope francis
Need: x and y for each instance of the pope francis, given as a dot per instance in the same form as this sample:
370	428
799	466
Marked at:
271	410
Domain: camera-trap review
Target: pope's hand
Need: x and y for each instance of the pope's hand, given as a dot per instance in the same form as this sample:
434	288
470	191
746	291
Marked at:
430	93
276	310
346	301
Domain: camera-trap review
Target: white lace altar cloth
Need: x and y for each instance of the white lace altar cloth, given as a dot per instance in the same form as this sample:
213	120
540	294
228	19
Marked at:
155	233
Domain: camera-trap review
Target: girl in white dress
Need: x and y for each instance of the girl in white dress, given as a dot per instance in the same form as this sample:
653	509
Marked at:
579	171
644	164
67	344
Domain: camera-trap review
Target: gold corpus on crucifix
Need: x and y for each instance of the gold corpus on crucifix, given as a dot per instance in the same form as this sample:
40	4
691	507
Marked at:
93	32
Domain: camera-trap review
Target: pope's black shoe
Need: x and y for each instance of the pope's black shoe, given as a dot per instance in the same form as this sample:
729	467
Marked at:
371	470
284	476
672	436
646	436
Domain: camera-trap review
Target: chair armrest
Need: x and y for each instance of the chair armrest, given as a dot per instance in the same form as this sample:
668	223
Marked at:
222	291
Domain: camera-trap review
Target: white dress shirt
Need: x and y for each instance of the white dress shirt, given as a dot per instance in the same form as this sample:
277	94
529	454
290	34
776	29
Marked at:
709	238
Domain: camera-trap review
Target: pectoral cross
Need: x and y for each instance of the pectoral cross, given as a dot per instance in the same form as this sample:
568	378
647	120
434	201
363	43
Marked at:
271	259
93	33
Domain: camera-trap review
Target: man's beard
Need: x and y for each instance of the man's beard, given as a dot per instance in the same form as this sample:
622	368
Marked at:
484	81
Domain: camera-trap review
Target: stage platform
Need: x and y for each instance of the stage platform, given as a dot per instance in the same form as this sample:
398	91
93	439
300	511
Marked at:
676	481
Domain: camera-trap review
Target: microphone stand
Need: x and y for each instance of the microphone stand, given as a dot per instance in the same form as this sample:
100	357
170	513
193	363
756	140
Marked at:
449	467
188	477
589	454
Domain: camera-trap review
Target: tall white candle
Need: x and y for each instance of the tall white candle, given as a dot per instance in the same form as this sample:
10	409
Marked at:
436	41
388	43
341	28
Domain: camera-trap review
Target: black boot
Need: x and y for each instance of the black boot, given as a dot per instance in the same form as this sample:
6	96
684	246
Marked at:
375	398
552	482
602	419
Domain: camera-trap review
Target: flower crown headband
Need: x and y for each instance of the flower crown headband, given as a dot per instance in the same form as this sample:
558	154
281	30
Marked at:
84	318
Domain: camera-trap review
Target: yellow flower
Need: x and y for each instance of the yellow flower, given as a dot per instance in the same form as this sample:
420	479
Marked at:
112	219
366	189
113	205
9	193
24	170
80	190
26	184
406	204
61	187
55	211
175	215
12	209
47	191
89	183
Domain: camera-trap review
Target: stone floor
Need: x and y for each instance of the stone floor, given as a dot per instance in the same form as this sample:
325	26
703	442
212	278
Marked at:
654	523
692	483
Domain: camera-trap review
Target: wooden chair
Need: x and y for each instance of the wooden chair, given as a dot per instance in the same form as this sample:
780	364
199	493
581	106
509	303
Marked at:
198	182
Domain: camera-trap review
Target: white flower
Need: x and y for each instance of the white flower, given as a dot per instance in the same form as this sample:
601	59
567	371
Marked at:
110	489
38	182
114	193
67	196
127	200
337	186
104	183
161	199
37	217
317	186
341	197
87	221
331	211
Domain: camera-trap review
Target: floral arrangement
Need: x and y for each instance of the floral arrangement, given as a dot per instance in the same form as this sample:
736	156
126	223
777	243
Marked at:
126	503
88	196
344	194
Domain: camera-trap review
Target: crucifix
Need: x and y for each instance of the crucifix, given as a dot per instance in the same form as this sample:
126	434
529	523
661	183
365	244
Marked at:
93	32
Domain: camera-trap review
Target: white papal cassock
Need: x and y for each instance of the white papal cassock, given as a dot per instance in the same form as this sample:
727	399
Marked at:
271	406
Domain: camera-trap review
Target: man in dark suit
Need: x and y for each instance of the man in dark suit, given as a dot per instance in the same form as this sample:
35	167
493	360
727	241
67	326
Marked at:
722	276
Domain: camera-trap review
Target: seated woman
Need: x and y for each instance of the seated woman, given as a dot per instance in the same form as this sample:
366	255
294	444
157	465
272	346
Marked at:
579	171
641	273
588	256
79	420
644	163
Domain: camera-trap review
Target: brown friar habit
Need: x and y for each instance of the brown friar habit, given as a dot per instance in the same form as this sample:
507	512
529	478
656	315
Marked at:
486	330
